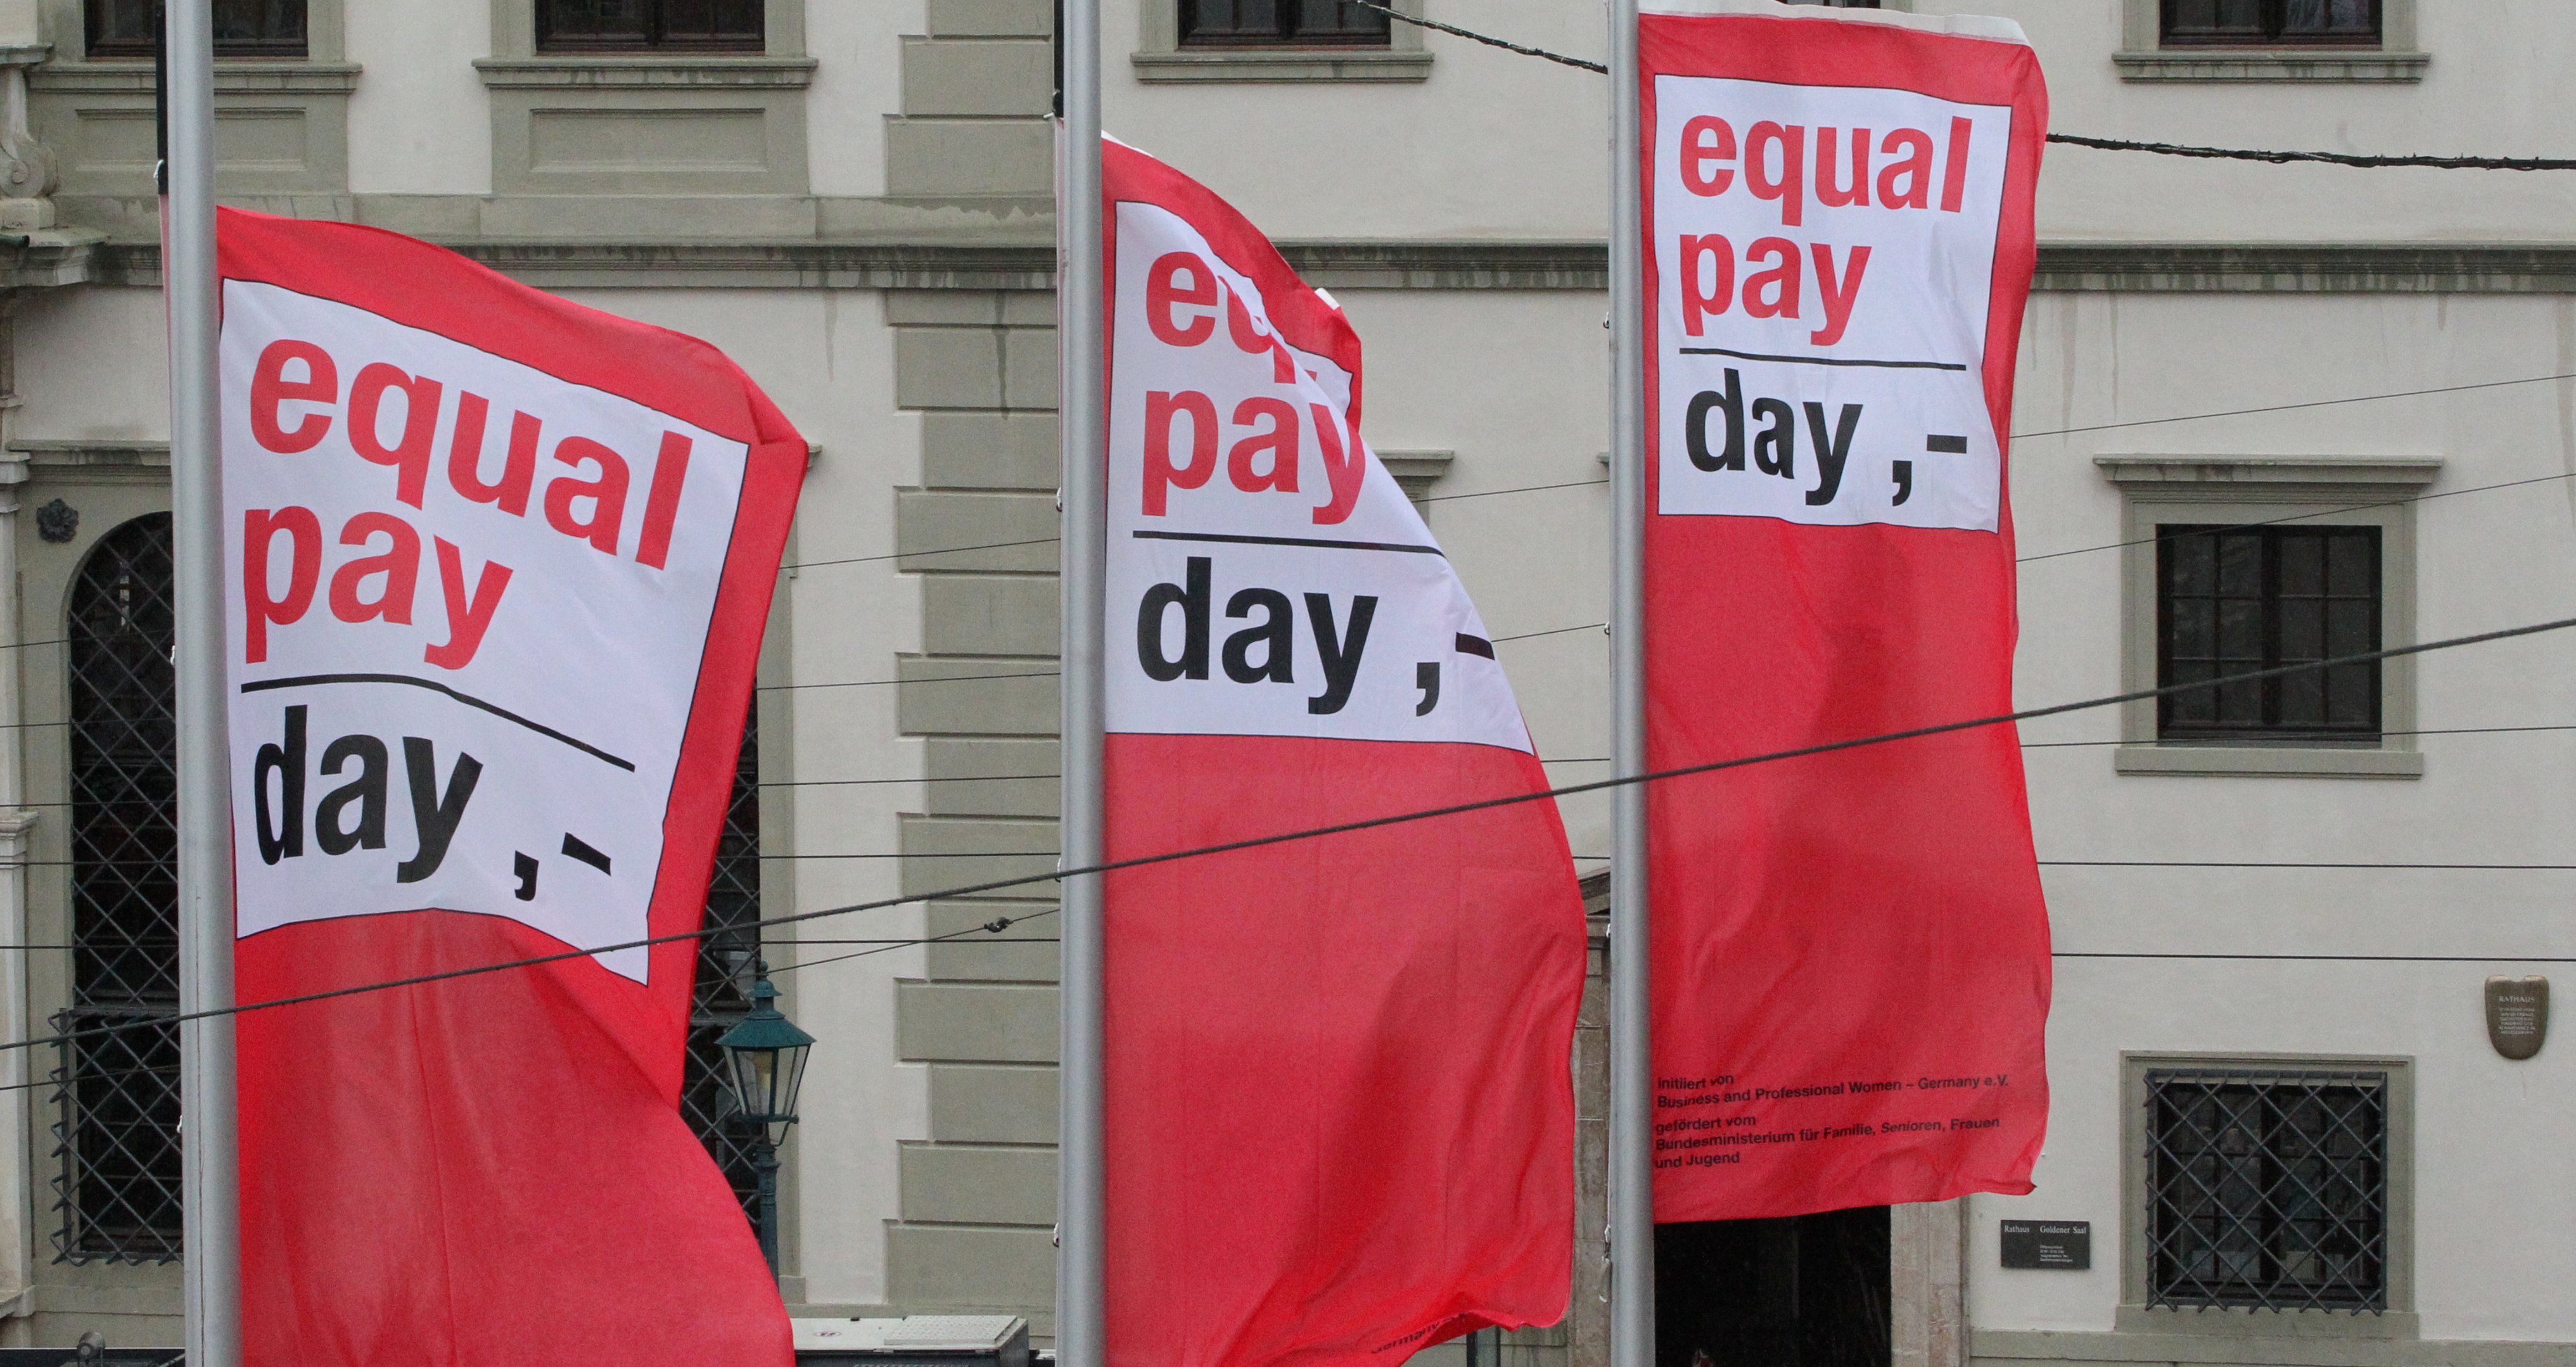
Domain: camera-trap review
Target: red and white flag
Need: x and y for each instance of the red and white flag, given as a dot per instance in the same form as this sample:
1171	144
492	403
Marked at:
1851	968
1340	1120
498	567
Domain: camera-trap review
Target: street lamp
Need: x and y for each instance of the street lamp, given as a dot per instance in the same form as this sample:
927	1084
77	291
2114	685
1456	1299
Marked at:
764	1065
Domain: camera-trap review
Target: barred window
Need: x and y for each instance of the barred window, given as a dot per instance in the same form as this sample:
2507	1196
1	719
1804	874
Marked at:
117	1090
2270	23
243	28
2267	1188
725	963
1274	23
2237	600
650	25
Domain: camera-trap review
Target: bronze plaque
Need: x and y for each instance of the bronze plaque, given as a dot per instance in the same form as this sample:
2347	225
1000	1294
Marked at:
2517	1015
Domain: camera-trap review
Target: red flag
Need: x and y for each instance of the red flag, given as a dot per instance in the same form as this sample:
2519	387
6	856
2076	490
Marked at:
498	567
1851	968
1340	1120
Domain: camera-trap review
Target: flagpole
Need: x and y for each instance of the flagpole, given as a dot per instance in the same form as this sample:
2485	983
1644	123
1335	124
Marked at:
209	1172
1632	1206
1080	1304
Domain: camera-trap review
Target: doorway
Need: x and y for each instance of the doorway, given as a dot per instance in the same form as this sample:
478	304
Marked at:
1804	1291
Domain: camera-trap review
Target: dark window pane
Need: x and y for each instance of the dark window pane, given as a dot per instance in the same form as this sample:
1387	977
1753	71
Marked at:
243	28
1273	23
2240	563
631	25
2244	600
2270	23
118	1091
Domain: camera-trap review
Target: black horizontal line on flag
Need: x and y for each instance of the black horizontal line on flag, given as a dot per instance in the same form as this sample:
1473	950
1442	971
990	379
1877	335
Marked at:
505	714
1316	541
1820	360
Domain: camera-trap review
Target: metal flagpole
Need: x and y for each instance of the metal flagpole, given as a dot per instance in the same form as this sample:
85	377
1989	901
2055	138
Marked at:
209	1171
1079	1337
1632	1204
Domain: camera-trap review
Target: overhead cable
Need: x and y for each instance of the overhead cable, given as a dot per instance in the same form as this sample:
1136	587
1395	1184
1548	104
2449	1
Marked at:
2167	149
1343	828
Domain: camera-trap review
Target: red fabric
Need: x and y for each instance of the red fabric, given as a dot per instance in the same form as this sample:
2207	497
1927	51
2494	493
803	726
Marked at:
1871	916
1340	1122
494	1168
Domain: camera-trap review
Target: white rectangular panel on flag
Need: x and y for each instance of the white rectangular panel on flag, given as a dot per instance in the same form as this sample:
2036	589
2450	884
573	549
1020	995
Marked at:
1833	334
415	546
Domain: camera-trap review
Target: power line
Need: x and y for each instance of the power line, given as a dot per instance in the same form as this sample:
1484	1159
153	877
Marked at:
1349	827
2176	149
2291	407
2296	864
2016	436
1487	39
2323	958
1051	540
2169	149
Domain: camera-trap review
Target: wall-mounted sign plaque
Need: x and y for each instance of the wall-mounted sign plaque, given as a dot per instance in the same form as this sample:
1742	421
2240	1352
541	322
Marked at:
2517	1015
2057	1245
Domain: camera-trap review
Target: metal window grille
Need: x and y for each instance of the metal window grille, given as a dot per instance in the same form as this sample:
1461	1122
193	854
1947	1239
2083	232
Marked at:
2267	1189
117	1093
2270	23
724	973
629	25
2234	600
1271	23
243	28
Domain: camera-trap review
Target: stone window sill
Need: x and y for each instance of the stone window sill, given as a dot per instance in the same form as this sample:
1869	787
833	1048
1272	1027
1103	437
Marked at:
243	76
2221	64
1282	66
2267	761
647	73
2239	1325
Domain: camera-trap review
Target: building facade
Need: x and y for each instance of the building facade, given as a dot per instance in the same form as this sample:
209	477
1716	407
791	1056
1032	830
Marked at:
2262	410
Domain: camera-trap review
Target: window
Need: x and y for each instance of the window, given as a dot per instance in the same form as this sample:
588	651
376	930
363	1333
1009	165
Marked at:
117	1093
1260	23
2268	1188
724	971
243	28
2269	23
2234	600
650	25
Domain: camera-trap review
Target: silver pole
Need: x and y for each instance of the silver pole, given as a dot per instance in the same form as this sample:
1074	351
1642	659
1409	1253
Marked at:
1632	1201
1080	1312
207	1100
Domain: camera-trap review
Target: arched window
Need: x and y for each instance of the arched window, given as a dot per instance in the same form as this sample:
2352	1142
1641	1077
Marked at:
118	1091
724	971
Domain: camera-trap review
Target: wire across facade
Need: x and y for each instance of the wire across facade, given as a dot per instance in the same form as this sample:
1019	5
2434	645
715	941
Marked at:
116	1073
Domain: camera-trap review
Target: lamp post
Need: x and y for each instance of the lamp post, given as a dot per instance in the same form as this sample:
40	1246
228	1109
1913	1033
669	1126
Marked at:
764	1065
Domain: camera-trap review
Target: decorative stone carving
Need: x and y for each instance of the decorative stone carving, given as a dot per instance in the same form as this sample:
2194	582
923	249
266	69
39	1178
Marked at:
28	169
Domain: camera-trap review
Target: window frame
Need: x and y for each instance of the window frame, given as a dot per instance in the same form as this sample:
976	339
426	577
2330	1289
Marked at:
1161	59
268	51
2143	55
2137	1313
1283	40
2166	40
649	47
83	1235
2269	598
2229	490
